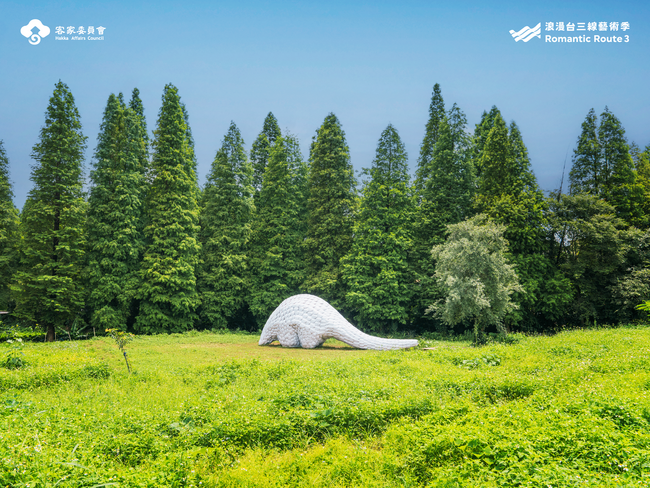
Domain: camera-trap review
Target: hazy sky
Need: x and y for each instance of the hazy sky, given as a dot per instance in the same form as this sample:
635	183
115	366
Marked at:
371	63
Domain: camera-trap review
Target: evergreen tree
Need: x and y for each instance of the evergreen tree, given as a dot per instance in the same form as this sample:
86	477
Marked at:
226	215
481	132
115	239
642	164
190	143
508	193
168	294
48	289
500	174
621	187
9	237
642	178
446	199
432	132
138	108
594	249
376	270
586	172
633	283
526	181
331	206
603	166
261	149
448	192
457	122
617	165
277	255
641	160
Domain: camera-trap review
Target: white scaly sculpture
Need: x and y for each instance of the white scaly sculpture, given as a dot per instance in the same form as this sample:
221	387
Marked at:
307	321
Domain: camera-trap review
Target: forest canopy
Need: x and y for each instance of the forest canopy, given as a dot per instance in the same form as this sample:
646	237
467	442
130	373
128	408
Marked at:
146	250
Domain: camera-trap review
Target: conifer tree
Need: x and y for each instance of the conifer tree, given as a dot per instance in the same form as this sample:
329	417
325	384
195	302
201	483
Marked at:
617	164
642	171
603	166
261	149
526	181
642	165
508	193
277	255
500	174
376	270
9	237
138	109
331	206
226	215
48	289
115	238
447	194
432	131
190	143
446	199
457	122
143	152
586	172
481	132
168	294
621	187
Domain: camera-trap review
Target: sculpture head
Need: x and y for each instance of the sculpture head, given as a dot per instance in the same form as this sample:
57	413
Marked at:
268	335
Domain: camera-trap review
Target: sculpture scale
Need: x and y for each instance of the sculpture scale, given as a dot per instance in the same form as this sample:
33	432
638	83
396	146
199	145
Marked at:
307	321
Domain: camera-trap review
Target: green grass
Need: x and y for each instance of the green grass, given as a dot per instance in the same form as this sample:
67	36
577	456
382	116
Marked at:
218	410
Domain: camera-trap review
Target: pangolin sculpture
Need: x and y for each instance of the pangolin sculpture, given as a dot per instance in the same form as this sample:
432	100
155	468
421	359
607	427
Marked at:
307	321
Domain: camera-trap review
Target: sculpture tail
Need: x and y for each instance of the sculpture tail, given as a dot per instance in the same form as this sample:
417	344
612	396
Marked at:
361	340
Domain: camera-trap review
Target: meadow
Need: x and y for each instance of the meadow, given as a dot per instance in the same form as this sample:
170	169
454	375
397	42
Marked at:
208	409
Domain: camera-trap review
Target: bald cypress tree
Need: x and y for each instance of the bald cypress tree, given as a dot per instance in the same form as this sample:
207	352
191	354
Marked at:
603	166
115	237
621	188
331	207
377	270
261	150
508	193
586	172
447	195
226	216
168	294
278	231
500	174
481	132
9	237
49	288
642	178
445	199
431	135
138	109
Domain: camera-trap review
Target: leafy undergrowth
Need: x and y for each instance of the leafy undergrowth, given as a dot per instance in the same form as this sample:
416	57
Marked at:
217	410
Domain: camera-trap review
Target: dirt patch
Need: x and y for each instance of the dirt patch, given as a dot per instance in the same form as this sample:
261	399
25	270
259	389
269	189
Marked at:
273	351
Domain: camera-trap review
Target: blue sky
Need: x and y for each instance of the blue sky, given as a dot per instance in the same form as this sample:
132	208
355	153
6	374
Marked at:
371	63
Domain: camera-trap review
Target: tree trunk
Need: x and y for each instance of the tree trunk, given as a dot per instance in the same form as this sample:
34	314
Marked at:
49	337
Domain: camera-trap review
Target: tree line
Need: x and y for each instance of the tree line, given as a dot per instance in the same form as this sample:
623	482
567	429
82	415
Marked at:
149	251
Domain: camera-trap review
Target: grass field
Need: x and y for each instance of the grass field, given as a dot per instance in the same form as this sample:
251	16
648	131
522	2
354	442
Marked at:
205	410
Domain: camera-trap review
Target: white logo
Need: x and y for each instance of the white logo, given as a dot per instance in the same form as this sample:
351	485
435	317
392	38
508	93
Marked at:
43	31
527	33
